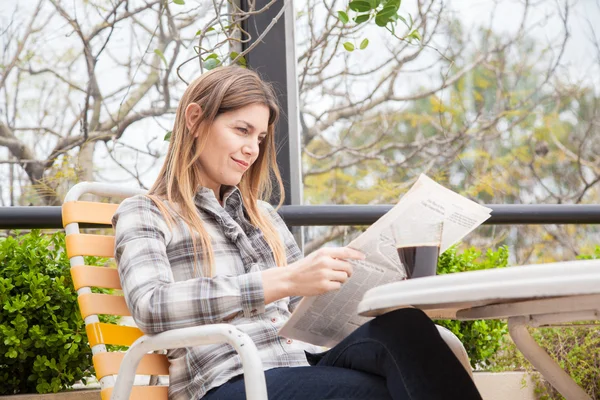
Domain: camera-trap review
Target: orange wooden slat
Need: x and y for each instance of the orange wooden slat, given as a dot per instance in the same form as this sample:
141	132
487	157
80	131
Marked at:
90	245
98	303
101	333
87	211
89	276
109	363
141	393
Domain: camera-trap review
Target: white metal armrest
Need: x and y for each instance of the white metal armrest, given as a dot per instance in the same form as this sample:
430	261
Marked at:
254	377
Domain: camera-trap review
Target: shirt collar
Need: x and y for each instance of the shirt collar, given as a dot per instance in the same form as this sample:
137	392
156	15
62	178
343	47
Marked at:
231	192
205	198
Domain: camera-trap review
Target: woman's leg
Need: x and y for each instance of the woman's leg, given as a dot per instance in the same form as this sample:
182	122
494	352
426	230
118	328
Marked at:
309	383
405	348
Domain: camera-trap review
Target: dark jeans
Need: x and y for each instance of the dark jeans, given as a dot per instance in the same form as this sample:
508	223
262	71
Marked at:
399	356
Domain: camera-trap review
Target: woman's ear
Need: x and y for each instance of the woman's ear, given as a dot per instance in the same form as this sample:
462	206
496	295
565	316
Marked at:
193	112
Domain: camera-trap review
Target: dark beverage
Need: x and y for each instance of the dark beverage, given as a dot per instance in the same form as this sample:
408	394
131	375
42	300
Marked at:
419	260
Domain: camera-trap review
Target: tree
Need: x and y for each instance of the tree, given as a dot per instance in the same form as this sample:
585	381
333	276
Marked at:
70	86
494	117
77	75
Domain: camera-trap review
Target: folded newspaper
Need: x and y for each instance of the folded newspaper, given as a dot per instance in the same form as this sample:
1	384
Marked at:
327	319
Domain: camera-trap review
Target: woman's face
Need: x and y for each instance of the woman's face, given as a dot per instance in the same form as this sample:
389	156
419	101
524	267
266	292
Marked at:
232	146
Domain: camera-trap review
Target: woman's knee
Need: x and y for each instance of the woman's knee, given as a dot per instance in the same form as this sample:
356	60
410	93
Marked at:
404	319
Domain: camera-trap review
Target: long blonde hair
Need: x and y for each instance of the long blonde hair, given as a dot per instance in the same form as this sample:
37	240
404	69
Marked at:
218	91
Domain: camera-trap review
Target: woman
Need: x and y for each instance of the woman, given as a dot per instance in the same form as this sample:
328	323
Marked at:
202	248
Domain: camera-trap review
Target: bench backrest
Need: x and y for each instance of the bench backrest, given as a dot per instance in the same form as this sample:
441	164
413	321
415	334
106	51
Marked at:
93	304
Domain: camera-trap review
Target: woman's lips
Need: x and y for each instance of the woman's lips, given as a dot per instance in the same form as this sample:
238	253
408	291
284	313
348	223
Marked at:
241	163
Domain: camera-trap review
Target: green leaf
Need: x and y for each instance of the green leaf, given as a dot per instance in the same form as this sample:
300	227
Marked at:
349	46
415	35
211	63
241	60
384	16
401	18
342	16
167	137
199	32
161	55
359	19
394	3
360	5
364	44
213	55
180	2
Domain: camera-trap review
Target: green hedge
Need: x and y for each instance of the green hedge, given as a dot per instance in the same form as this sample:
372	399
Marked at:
44	346
481	339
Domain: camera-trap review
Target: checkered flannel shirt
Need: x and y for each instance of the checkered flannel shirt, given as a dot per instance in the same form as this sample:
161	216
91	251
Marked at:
163	292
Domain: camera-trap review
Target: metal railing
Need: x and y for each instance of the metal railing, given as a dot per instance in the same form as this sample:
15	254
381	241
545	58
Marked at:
324	215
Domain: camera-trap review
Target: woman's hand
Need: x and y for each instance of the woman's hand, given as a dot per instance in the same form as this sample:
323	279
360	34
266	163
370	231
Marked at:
322	271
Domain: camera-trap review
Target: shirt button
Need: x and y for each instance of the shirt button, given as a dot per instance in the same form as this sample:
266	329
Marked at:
289	341
273	320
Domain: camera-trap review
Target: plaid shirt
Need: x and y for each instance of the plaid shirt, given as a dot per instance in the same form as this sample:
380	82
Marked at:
162	291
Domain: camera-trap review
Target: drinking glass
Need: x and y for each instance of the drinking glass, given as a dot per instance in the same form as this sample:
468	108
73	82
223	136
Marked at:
418	245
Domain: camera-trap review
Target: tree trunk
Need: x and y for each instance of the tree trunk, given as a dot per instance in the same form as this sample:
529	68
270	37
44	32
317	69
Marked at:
85	165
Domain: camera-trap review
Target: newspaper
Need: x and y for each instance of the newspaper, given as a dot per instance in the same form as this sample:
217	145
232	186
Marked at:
327	319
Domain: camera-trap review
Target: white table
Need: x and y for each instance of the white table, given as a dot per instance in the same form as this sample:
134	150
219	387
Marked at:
531	295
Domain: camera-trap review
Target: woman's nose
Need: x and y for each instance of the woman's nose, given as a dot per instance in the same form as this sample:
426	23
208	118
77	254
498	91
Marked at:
251	147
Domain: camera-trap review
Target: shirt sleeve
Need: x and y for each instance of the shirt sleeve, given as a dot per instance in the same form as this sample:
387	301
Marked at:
292	250
158	303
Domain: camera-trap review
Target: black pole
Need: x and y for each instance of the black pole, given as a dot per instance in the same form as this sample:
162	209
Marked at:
502	214
270	59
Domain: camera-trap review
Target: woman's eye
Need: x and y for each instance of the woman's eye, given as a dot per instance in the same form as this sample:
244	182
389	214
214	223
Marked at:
243	130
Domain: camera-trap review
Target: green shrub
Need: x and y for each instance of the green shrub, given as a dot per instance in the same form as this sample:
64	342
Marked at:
576	349
481	339
43	344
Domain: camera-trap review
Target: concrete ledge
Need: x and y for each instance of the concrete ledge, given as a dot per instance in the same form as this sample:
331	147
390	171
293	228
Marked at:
491	385
504	385
70	395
